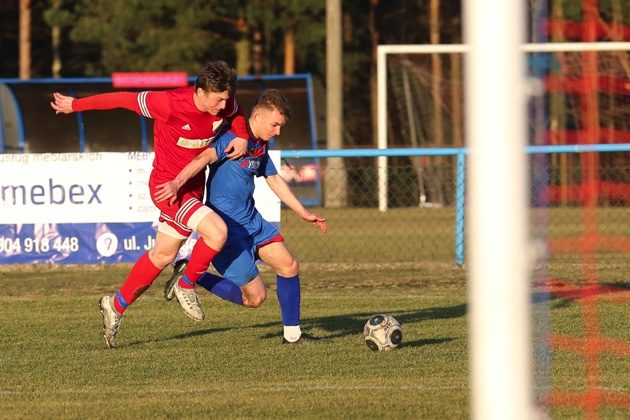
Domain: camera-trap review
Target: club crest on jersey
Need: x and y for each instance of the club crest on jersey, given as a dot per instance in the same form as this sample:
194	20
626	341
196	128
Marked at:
256	152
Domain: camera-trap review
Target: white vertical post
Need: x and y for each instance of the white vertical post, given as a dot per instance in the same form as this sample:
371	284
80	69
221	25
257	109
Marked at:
381	161
499	278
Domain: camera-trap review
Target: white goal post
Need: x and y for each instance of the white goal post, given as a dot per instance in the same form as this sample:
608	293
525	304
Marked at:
499	243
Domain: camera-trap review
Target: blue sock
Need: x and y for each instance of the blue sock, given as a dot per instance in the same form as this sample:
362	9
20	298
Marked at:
221	287
289	299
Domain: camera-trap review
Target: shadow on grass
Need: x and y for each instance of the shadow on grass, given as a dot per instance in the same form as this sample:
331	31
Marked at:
183	336
336	326
425	342
350	324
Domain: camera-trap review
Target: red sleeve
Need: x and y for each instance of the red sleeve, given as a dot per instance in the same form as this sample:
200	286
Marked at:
233	112
149	104
127	100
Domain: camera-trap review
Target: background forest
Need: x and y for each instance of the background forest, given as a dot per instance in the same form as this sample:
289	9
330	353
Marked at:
76	38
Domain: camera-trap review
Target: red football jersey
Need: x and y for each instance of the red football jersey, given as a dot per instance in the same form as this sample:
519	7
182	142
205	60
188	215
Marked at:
181	131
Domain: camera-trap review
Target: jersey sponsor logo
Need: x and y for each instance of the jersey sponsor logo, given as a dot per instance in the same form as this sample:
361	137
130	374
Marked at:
250	164
186	127
194	143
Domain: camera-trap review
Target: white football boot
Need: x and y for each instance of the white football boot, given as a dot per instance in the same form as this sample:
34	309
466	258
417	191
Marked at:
111	321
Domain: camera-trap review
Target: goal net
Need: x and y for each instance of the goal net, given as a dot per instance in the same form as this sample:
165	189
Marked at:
578	165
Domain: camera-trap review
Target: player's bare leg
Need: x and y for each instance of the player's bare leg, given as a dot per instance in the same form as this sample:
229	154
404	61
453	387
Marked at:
213	230
254	292
278	257
165	249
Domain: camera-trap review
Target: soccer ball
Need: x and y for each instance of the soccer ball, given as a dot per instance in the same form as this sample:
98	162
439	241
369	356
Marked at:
382	333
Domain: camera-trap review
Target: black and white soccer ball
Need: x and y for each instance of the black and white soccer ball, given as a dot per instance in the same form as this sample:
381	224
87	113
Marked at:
382	333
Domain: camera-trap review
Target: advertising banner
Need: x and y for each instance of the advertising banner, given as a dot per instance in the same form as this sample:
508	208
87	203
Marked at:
86	208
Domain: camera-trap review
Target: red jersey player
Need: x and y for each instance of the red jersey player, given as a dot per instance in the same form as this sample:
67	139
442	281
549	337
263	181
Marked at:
186	122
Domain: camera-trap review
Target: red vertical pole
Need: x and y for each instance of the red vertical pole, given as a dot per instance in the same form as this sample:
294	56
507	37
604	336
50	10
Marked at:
590	176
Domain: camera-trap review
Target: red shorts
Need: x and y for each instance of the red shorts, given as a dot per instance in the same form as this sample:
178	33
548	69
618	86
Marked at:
181	218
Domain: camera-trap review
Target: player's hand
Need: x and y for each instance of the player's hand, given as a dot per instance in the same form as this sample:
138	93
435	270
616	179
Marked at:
236	149
62	103
318	221
166	191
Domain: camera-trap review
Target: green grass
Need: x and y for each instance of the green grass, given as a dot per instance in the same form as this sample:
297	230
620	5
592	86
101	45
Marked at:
428	234
53	362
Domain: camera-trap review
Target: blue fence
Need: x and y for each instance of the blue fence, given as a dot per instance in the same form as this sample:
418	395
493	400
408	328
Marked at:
460	153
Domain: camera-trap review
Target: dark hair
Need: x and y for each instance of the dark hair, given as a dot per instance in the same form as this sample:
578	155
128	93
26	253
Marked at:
217	76
274	99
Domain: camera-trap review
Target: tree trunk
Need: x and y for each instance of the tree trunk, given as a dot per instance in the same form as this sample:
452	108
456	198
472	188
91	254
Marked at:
437	187
373	82
617	34
257	51
56	44
558	110
25	39
335	177
289	48
243	47
458	99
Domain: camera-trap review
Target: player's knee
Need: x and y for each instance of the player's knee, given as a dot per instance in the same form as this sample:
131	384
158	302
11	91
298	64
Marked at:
220	235
290	269
216	235
161	259
255	301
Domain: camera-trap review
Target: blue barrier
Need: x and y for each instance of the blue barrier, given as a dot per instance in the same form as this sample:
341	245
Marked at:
461	169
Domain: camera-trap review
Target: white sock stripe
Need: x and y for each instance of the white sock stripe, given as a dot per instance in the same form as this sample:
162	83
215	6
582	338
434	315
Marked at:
142	103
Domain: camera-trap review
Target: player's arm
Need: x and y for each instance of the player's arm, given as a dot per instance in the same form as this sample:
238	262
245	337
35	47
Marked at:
151	106
238	146
67	104
280	187
169	189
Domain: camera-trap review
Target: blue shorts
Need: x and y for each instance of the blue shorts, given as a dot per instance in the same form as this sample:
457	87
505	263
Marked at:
237	260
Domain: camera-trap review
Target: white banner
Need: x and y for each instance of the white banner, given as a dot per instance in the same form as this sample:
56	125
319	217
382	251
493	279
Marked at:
90	188
78	208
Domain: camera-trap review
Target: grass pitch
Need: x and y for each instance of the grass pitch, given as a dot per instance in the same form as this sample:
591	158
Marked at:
53	362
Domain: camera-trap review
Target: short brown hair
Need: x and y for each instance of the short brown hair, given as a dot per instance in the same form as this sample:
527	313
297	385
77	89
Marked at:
217	76
274	99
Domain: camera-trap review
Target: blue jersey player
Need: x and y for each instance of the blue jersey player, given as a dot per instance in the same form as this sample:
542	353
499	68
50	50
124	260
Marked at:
229	192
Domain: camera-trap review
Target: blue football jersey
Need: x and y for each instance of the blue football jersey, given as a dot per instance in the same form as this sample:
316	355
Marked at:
230	184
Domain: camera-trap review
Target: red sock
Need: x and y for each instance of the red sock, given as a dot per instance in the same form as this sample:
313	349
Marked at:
200	259
139	279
